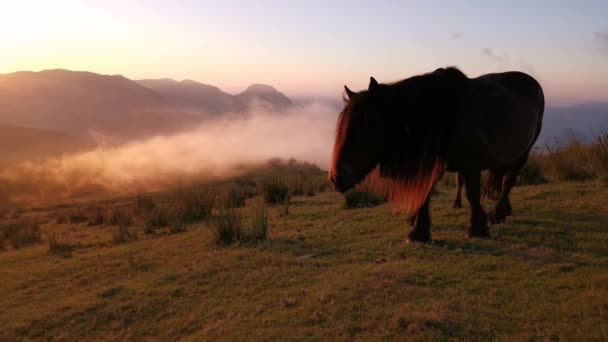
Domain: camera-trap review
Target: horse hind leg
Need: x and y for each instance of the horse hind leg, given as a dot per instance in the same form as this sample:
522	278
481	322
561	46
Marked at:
458	198
503	206
478	226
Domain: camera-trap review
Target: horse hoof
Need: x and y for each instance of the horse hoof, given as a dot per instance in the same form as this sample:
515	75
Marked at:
478	235
457	205
496	219
418	237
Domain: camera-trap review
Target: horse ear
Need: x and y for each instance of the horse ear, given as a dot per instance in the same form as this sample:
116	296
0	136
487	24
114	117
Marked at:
373	84
349	93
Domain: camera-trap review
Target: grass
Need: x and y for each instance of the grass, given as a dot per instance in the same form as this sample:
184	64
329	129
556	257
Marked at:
275	191
124	233
194	205
19	234
227	226
258	226
362	197
328	273
60	248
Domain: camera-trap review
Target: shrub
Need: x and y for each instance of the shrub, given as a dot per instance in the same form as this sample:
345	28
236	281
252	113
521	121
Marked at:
284	208
144	204
258	230
175	220
124	234
116	216
98	218
235	197
297	187
362	197
155	218
275	191
310	189
78	216
600	152
62	249
532	172
194	205
568	161
21	234
227	225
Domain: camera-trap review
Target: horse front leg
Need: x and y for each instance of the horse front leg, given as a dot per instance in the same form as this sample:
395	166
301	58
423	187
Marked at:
478	226
458	198
422	223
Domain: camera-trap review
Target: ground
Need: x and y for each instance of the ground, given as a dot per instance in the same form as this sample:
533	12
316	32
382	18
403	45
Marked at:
328	273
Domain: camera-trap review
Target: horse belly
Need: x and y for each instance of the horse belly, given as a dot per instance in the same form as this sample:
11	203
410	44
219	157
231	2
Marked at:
492	138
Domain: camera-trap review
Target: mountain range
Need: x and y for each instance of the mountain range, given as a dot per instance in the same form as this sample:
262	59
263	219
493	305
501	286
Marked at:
84	103
52	111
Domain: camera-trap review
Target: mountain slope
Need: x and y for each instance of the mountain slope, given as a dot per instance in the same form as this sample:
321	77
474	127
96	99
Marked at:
192	95
80	103
583	121
21	143
264	93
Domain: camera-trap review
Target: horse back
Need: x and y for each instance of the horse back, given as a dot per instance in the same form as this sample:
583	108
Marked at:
499	121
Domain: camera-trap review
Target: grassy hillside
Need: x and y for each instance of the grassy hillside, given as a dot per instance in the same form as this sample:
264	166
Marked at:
325	273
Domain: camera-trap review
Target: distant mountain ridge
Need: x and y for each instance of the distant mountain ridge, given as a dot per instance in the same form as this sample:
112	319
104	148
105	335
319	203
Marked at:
81	103
582	122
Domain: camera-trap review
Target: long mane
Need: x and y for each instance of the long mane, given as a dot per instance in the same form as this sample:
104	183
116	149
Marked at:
421	110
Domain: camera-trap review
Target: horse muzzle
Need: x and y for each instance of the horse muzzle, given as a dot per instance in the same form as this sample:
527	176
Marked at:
343	180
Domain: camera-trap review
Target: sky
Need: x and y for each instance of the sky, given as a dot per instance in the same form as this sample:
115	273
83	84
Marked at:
313	48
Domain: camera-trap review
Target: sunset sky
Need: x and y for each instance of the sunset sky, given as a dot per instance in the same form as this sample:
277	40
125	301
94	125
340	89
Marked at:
313	47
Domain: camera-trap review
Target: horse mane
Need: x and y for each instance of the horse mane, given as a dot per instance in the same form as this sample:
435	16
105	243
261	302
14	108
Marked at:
420	111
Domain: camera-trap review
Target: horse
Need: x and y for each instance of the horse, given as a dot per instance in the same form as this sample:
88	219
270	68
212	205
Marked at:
492	191
416	129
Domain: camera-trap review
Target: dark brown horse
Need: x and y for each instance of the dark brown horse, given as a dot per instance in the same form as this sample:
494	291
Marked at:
493	187
418	128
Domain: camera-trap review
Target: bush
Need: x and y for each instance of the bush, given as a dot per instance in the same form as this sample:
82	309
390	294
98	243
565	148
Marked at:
362	197
235	197
532	172
21	234
194	205
284	209
227	225
258	230
124	234
60	248
116	216
600	152
155	218
275	191
570	161
78	216
98	218
144	204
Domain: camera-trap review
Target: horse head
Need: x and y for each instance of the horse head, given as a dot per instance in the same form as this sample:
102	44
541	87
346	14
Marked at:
358	138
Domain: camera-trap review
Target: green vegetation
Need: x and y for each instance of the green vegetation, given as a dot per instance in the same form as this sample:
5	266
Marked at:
19	234
60	248
307	269
275	191
362	197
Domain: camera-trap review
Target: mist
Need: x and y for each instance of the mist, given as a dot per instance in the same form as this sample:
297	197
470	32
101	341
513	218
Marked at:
214	150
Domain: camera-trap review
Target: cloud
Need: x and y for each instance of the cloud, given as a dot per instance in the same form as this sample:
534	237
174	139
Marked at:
214	150
490	53
602	38
456	35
